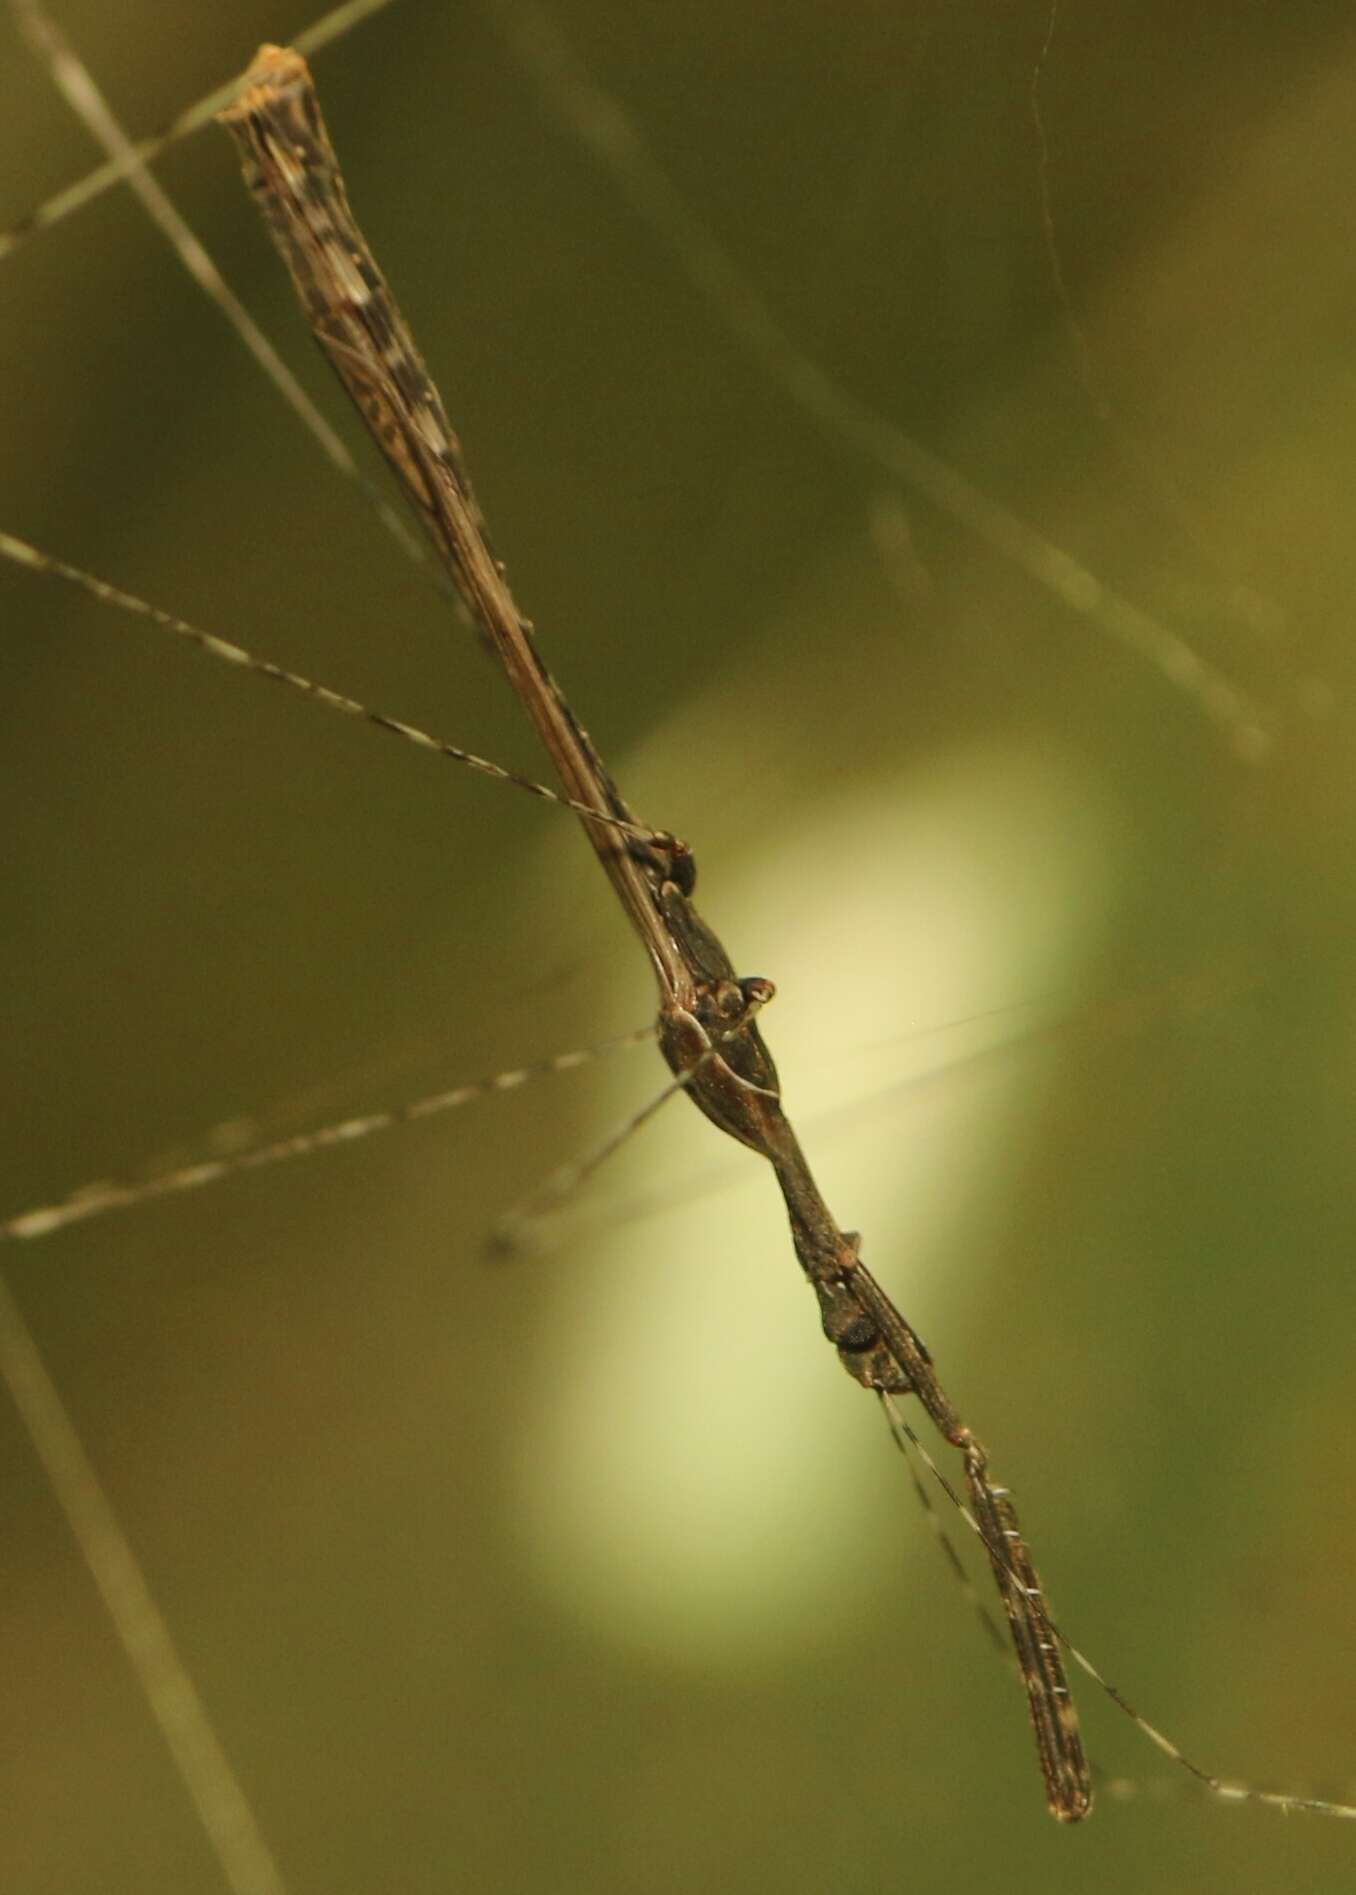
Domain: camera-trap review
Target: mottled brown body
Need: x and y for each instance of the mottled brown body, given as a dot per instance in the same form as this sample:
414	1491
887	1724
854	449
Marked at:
707	1024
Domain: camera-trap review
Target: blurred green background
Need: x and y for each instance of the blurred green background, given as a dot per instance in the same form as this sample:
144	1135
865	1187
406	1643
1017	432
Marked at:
594	1572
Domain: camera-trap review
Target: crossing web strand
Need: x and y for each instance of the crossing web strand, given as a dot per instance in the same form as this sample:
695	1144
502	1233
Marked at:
134	156
243	1858
77	86
1230	598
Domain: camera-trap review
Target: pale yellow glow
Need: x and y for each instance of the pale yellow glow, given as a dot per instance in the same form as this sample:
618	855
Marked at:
698	1478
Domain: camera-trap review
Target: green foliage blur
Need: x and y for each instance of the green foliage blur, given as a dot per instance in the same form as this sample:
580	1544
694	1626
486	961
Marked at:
592	1573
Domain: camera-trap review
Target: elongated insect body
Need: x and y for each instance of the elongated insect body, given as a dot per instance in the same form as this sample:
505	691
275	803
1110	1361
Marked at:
889	636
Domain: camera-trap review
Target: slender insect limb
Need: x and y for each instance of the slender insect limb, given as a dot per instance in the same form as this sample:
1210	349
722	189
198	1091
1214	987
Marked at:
883	1352
907	1441
1229	596
21	553
511	1233
947	1547
97	1200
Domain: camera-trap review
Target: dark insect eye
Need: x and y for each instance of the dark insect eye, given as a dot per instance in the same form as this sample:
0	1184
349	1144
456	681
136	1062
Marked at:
682	864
